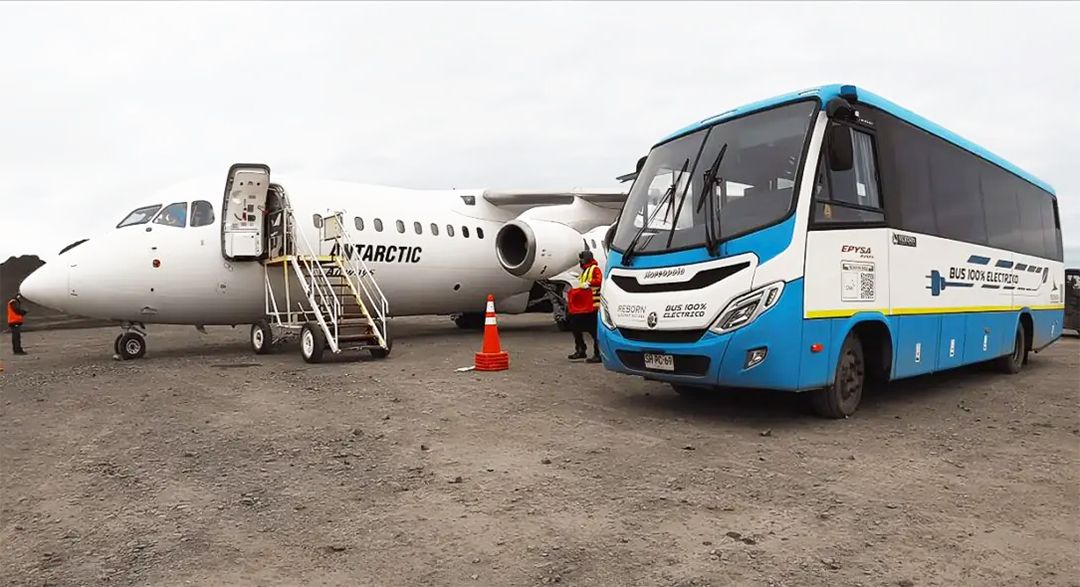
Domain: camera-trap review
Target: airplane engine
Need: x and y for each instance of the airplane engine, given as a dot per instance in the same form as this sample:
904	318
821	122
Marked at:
537	249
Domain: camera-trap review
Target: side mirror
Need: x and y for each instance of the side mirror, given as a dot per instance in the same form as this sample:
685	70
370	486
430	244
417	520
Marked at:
609	236
841	157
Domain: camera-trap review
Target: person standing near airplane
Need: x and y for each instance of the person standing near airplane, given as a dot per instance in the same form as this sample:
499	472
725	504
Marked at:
583	303
15	313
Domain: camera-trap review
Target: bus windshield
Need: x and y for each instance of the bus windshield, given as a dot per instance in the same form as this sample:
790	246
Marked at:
747	165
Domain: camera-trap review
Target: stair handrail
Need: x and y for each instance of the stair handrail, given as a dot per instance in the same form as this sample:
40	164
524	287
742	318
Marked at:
321	301
363	277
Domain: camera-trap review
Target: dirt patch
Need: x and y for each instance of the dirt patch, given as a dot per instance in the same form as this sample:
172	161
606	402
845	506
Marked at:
203	465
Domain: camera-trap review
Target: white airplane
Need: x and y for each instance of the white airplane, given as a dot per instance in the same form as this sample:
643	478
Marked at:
189	256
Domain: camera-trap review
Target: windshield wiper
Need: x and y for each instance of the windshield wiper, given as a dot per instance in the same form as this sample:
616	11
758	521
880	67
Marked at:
707	197
629	253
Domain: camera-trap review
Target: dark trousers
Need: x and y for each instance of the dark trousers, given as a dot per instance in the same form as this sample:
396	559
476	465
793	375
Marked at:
16	337
581	324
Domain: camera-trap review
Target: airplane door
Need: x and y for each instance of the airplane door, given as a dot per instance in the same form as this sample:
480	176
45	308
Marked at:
242	223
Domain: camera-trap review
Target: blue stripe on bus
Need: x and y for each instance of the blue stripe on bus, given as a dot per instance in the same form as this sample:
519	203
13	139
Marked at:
1004	264
978	260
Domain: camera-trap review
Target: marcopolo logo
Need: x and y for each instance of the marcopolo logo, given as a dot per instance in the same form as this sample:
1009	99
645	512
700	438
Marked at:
663	273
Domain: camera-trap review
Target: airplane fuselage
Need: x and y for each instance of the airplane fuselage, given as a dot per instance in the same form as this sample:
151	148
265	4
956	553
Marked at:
432	252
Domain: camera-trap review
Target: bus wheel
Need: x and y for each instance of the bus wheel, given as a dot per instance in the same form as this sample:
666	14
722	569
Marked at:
842	397
1014	361
312	342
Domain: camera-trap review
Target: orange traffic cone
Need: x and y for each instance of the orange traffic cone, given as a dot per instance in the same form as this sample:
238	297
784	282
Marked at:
491	357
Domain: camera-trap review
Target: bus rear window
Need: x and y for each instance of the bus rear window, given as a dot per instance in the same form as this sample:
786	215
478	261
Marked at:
139	216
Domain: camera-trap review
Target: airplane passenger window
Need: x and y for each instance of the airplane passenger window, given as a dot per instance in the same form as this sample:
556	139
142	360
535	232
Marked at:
316	220
202	213
479	232
449	230
465	231
359	223
139	216
378	224
434	229
400	226
419	229
173	215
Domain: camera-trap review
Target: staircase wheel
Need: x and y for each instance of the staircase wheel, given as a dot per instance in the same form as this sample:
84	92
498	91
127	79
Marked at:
262	338
312	342
382	353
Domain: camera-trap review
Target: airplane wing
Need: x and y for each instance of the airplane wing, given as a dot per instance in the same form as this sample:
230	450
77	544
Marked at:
529	198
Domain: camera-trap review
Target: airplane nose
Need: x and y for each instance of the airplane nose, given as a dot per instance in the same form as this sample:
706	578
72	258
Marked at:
47	286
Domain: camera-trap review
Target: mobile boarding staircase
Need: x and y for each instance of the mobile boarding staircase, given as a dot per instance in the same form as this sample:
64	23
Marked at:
341	307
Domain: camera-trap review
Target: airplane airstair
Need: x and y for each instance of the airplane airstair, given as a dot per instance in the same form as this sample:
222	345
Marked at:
338	306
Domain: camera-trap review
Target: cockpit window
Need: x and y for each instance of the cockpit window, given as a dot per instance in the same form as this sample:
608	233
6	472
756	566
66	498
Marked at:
173	215
139	216
202	213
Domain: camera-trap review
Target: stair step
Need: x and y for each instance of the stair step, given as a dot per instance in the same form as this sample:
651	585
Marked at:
357	338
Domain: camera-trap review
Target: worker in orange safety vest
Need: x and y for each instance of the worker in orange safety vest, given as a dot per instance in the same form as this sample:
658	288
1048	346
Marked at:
15	313
583	302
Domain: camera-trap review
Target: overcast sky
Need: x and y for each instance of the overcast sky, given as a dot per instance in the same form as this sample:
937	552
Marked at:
100	104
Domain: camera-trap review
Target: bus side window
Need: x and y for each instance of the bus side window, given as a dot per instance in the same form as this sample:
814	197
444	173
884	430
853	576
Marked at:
849	196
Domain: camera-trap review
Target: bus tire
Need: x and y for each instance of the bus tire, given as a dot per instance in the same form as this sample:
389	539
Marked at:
1014	361
841	398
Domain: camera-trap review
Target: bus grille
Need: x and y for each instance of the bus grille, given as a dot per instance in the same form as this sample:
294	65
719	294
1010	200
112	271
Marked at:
662	335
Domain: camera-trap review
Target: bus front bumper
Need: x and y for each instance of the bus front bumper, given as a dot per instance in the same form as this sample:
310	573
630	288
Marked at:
763	354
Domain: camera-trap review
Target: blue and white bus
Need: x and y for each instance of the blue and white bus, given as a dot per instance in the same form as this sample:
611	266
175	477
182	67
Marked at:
815	240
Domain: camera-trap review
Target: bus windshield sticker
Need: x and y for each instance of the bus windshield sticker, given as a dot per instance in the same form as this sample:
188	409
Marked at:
857	281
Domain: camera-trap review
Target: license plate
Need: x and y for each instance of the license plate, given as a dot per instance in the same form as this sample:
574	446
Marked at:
659	362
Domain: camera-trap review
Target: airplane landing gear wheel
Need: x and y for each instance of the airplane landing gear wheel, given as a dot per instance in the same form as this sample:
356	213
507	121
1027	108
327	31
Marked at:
470	321
312	342
262	338
130	345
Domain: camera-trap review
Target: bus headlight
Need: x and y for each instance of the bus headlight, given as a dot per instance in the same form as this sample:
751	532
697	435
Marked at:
605	319
745	309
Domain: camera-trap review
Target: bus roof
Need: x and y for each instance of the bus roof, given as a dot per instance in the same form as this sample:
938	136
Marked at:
826	93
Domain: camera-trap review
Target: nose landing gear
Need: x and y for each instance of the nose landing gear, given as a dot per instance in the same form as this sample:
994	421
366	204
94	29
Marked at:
131	343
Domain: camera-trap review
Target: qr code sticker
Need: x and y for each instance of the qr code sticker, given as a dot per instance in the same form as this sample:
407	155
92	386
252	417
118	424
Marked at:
857	282
866	286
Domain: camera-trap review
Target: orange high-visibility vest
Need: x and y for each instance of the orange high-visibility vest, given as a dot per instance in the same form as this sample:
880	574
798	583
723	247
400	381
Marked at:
13	317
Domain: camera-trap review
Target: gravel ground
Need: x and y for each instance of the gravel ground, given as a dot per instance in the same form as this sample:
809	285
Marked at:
206	465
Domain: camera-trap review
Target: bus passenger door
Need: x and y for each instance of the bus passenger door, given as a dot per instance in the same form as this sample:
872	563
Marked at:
847	252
